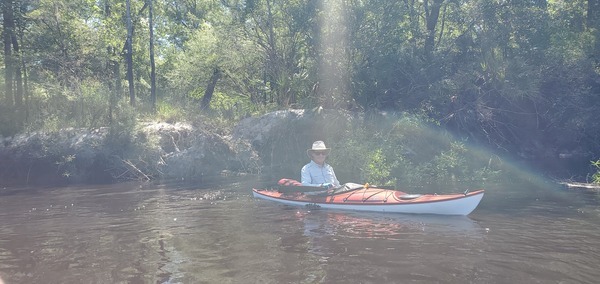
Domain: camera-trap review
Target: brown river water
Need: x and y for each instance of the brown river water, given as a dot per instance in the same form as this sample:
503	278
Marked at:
218	233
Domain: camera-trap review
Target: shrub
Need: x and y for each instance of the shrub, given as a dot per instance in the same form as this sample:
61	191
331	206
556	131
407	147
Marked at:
405	150
596	176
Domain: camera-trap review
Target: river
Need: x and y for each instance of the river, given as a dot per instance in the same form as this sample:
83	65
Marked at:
216	232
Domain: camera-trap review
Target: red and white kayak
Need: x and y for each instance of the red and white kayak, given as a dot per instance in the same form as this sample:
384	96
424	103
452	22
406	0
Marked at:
375	199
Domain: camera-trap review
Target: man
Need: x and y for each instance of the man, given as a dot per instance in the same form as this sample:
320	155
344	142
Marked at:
317	172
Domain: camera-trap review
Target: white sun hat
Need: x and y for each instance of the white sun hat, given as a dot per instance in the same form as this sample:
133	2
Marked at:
318	146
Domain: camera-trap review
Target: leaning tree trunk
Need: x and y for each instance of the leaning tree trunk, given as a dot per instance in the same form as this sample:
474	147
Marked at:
210	89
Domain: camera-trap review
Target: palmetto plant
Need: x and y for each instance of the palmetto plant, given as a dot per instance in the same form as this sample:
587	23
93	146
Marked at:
596	176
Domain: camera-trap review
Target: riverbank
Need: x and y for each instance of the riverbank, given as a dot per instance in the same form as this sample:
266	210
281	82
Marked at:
381	148
152	150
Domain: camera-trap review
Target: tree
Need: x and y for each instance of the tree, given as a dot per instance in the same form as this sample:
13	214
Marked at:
12	55
210	88
152	64
287	35
8	26
113	65
432	14
593	22
13	64
129	54
218	57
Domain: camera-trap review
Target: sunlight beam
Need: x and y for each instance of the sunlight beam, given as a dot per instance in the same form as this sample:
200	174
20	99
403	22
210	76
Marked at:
333	75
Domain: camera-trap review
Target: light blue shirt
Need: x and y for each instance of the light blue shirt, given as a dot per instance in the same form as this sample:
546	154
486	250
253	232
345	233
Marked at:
315	175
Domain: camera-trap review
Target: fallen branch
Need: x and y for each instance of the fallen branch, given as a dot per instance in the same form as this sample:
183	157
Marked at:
580	185
141	175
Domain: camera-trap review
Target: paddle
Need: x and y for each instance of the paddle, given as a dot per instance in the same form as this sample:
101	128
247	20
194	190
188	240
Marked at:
287	185
334	190
284	187
349	186
291	185
299	188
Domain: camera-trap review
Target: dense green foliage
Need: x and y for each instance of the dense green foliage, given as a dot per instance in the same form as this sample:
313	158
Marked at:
404	150
520	76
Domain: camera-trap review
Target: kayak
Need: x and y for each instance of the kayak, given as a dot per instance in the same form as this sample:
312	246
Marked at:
367	198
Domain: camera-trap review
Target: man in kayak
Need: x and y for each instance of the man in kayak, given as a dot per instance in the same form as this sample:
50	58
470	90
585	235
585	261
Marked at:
317	172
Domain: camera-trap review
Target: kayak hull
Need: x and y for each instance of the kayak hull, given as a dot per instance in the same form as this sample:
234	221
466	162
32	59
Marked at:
381	200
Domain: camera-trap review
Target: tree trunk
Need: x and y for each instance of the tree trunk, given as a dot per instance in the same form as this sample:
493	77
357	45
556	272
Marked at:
114	69
25	88
593	13
210	89
432	15
12	58
152	64
8	25
274	68
593	22
17	67
129	54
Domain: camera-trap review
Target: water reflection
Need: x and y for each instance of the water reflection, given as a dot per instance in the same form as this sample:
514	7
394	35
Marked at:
369	243
363	225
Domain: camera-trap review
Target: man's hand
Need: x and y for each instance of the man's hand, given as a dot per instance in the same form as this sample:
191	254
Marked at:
327	185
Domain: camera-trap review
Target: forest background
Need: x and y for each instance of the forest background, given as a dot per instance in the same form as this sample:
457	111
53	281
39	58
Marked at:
520	77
